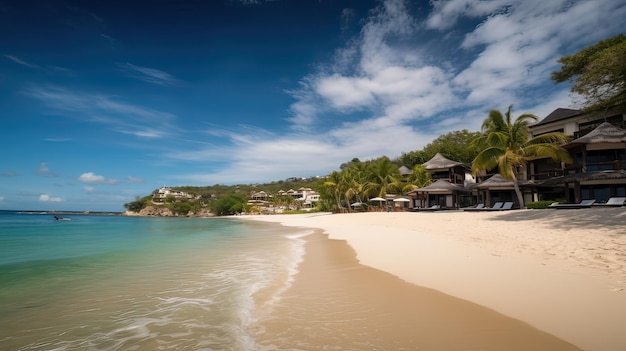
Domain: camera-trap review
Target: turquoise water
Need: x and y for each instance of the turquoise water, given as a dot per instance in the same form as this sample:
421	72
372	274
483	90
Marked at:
134	283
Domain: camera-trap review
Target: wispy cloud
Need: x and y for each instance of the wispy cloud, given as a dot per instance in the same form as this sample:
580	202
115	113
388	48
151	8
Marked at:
134	180
10	174
43	170
149	75
21	62
120	116
57	140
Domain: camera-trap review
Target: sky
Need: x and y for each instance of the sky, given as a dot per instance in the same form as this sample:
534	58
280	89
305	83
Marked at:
105	101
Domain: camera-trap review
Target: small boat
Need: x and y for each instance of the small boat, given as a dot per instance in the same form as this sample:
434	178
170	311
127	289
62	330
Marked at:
57	218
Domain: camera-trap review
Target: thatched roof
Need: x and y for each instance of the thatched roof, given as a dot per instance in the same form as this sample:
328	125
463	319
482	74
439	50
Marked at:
604	133
440	162
441	186
496	181
404	170
581	177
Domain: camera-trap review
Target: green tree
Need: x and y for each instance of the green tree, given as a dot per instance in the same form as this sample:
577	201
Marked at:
598	73
507	146
229	204
139	204
419	178
384	177
455	145
334	186
412	158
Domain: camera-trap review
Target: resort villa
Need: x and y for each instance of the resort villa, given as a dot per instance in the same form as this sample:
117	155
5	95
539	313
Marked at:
303	198
164	192
598	169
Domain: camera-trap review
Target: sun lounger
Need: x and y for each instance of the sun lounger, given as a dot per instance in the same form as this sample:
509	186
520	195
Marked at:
582	204
431	208
475	208
496	206
612	202
507	206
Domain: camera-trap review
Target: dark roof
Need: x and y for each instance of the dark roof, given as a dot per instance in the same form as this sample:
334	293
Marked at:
439	161
580	177
496	181
442	186
558	115
604	133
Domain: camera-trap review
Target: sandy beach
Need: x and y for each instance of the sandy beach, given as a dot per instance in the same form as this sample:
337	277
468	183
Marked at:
524	279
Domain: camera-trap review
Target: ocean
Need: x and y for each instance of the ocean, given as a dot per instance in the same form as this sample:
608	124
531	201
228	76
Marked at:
133	283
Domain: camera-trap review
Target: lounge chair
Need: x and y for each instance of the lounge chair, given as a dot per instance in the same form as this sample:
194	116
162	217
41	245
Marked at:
475	208
612	202
582	204
507	206
431	208
496	206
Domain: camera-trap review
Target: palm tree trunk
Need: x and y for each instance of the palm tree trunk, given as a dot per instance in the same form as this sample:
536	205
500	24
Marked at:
518	192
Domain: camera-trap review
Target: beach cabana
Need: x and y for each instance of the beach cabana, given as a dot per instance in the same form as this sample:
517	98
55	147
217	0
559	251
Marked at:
441	192
440	167
499	189
599	168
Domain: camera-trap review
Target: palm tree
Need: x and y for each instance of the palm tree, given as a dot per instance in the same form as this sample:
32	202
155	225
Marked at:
420	177
384	177
334	183
506	144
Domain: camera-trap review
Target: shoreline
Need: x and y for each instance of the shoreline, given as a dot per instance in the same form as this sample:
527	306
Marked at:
562	272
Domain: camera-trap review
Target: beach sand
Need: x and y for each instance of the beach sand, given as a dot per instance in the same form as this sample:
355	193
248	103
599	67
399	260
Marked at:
453	280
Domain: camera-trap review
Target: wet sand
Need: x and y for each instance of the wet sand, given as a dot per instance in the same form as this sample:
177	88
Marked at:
337	303
540	280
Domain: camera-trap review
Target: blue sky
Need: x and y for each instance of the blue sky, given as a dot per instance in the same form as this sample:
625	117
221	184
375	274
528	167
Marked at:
103	101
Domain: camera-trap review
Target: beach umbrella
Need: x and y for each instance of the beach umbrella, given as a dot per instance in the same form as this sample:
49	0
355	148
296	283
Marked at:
357	204
401	199
379	199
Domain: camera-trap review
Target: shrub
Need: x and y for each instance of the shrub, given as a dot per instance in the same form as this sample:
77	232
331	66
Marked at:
539	204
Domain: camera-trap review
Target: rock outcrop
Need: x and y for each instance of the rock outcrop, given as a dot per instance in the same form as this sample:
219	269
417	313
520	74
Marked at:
162	211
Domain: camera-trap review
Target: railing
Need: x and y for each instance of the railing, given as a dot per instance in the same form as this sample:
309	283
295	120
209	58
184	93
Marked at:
594	167
546	174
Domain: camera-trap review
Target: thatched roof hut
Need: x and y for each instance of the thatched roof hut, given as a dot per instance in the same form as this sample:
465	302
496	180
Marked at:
440	162
496	182
441	186
605	133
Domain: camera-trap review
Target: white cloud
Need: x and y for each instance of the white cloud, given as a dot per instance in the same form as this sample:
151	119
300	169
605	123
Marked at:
446	13
89	188
395	88
92	178
48	198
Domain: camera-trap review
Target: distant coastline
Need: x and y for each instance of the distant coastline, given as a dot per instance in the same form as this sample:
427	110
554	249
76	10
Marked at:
54	212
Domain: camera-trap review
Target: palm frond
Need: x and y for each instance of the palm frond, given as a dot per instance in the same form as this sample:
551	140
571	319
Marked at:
549	138
552	151
498	138
487	159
